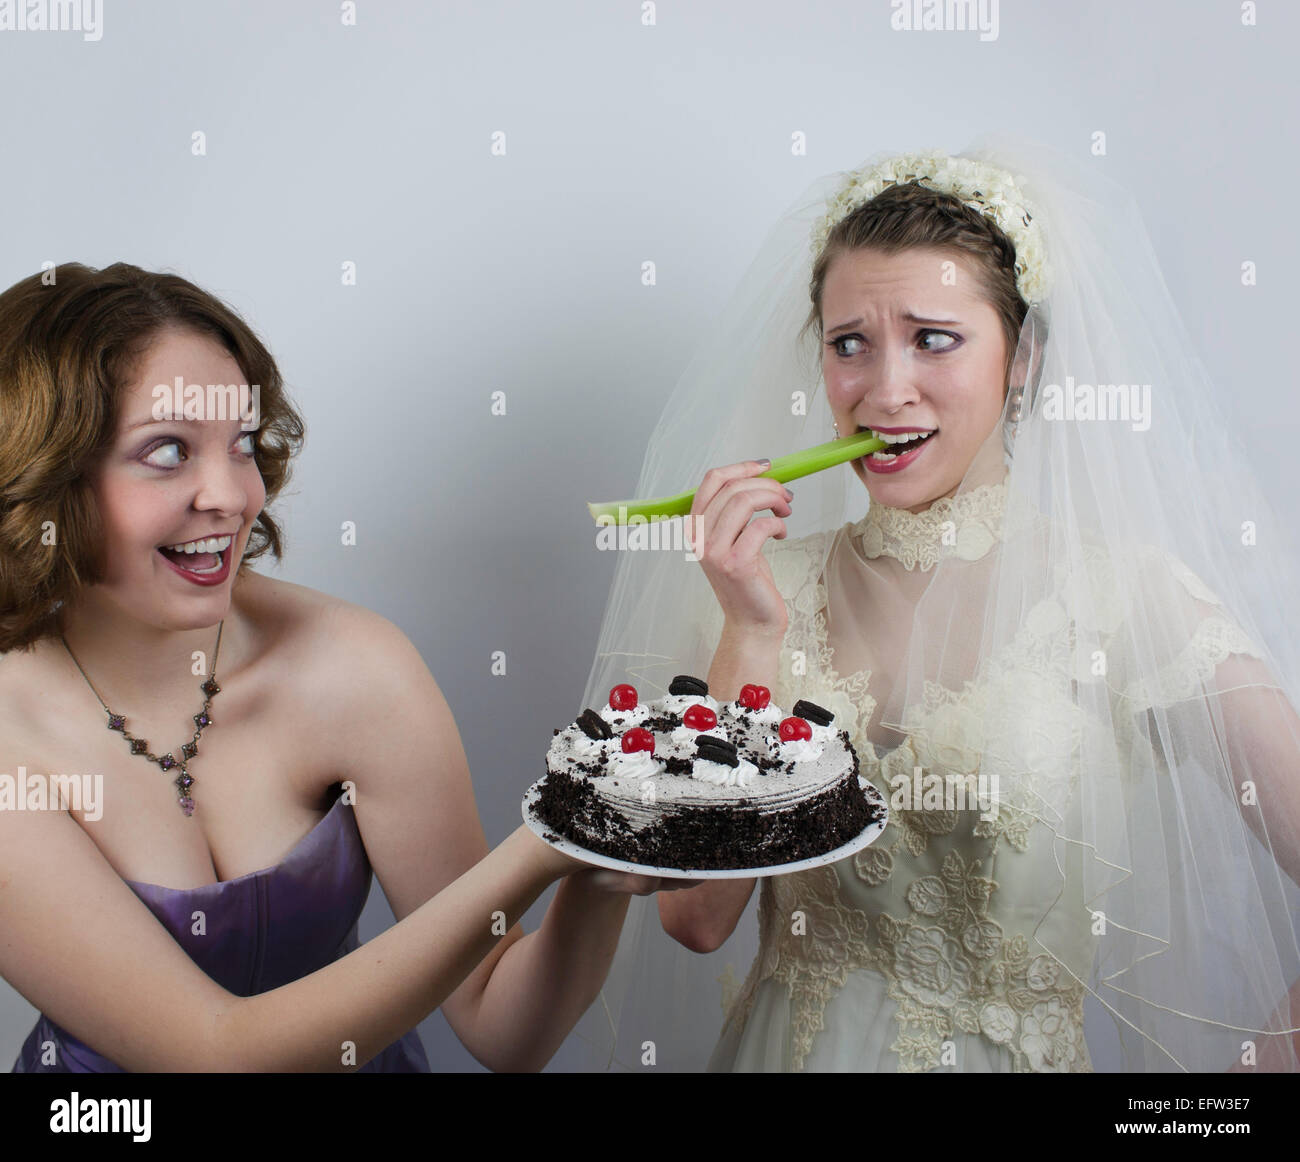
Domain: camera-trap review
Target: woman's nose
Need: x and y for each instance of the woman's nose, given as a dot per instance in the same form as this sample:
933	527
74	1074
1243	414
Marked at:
892	384
221	485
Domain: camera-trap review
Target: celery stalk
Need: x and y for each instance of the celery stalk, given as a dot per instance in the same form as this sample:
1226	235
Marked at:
783	469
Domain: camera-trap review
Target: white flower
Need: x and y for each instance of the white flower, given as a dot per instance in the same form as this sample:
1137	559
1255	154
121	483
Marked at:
927	896
998	1022
874	866
1050	1039
985	188
1042	972
983	939
952	740
930	966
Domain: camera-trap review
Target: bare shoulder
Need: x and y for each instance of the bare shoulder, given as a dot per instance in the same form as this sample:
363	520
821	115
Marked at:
28	697
317	623
348	655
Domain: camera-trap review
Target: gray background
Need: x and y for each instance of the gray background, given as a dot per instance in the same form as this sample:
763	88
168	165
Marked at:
522	273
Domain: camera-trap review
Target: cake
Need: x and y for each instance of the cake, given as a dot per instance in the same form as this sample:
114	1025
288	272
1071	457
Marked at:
684	781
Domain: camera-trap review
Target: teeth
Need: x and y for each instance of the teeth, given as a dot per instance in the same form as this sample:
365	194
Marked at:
210	545
902	437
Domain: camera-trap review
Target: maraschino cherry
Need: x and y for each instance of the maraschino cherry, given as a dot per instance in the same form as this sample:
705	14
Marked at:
793	729
638	738
700	717
622	697
755	697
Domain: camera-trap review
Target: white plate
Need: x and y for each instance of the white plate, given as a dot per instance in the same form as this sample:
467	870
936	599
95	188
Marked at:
866	837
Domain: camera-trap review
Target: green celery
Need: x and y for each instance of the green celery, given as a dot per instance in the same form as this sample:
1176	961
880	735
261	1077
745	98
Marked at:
783	470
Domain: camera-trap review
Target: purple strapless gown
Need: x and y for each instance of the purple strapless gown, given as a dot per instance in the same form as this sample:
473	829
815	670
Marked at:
264	930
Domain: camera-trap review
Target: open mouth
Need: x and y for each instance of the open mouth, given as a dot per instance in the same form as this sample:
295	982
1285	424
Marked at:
900	453
907	445
200	564
205	561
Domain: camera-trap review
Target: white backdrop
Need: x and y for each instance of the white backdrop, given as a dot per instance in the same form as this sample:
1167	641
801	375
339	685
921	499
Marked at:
633	133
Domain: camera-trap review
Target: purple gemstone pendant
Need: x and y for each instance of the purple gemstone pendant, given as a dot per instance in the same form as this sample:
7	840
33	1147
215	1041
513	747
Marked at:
116	722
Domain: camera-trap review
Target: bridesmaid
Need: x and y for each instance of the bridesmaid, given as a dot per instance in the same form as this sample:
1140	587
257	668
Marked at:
262	746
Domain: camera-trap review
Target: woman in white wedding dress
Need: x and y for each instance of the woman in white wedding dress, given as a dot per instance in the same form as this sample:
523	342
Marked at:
1053	638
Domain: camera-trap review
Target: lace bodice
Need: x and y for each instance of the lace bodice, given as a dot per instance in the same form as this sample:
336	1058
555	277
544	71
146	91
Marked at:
952	909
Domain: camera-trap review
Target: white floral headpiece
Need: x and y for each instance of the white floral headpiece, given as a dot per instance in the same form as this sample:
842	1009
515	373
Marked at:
992	191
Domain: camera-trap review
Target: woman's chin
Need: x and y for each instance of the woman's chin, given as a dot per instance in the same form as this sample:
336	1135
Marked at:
898	490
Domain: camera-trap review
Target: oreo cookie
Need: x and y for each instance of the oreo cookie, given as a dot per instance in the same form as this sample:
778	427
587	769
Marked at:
690	687
716	750
593	726
813	713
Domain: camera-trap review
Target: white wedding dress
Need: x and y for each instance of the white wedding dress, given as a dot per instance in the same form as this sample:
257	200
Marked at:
944	945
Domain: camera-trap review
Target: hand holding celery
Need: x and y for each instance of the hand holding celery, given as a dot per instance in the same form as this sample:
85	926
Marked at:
783	470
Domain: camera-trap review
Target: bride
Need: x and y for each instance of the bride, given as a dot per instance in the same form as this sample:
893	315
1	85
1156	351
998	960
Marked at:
1060	591
195	909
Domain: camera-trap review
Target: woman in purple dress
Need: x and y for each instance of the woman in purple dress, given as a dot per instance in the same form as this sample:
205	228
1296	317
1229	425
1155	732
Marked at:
223	757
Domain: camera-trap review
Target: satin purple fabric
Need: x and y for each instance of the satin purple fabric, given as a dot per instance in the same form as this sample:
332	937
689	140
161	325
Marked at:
262	930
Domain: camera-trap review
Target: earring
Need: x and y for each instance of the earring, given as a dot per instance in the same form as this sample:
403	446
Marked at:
836	427
1015	404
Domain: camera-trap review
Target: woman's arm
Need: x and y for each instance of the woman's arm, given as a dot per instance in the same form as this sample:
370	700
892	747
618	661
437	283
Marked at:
82	947
1256	733
729	536
417	814
1263	739
702	918
372	996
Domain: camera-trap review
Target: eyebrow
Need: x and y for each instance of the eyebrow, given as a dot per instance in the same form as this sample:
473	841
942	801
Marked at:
165	420
911	318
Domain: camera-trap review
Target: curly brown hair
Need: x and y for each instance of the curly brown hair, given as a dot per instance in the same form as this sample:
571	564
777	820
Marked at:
70	339
910	215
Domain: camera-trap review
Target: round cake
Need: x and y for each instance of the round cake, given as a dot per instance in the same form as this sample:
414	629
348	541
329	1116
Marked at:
687	782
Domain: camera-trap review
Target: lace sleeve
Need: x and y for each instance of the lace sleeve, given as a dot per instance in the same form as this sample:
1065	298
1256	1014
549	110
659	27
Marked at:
1199	647
1212	703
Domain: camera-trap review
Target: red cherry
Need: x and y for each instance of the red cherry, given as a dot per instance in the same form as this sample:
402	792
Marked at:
795	728
622	698
638	738
700	717
755	697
